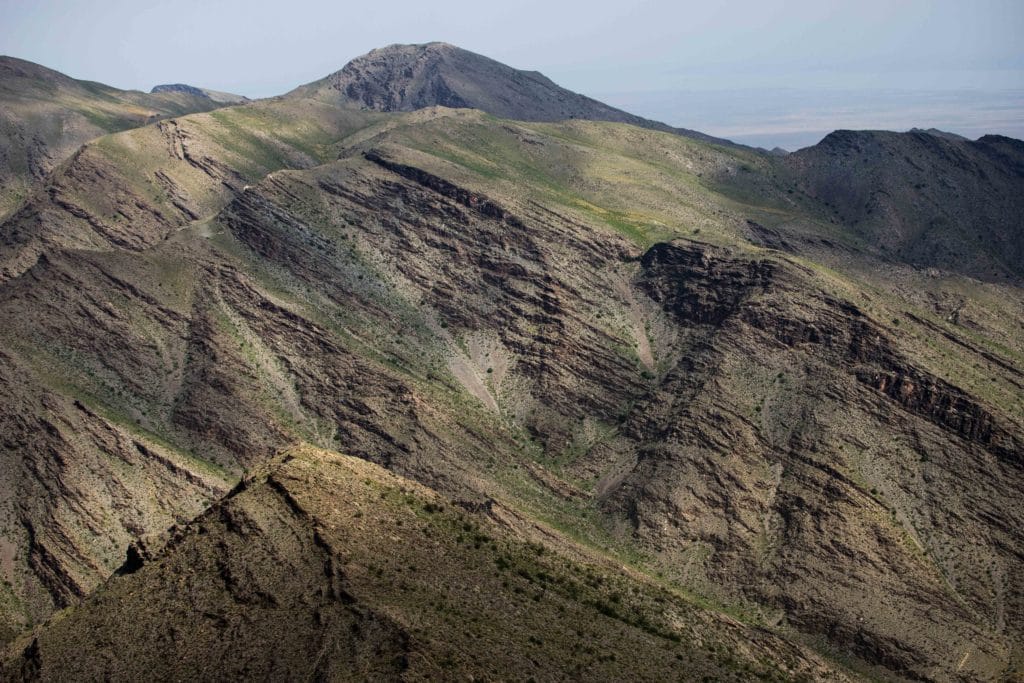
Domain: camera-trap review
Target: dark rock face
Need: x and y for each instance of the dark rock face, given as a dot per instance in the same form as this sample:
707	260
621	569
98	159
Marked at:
698	289
134	560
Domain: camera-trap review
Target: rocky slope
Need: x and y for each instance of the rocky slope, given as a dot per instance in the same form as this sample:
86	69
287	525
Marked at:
45	116
578	324
327	567
926	199
709	452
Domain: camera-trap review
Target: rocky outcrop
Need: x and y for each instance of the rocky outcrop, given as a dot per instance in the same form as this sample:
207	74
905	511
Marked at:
699	288
468	199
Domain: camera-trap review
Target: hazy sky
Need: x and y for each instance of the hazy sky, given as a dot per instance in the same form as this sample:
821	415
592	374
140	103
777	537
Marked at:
627	49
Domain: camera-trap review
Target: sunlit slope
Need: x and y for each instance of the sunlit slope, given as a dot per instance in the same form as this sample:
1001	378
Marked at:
326	566
134	189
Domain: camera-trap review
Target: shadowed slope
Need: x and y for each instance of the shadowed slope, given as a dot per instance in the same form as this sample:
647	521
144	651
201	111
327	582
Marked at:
921	198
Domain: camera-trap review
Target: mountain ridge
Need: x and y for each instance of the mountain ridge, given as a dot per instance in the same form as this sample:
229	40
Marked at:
623	343
288	578
926	199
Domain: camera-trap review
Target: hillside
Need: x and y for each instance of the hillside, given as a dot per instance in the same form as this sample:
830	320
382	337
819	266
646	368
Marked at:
637	345
328	567
45	116
923	198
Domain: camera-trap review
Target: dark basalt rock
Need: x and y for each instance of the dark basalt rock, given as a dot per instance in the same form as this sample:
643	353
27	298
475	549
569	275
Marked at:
136	557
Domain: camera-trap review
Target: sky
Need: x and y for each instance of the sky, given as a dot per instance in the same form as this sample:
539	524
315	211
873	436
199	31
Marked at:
755	70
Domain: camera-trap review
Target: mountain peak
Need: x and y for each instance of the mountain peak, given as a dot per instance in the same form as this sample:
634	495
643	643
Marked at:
411	77
404	77
216	96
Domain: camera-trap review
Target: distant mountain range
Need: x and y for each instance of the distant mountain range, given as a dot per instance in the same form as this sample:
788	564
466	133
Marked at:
432	369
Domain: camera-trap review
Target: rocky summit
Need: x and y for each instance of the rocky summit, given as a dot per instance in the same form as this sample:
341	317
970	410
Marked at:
410	77
433	370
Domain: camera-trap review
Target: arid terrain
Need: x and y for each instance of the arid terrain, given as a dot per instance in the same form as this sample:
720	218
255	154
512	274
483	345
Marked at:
432	369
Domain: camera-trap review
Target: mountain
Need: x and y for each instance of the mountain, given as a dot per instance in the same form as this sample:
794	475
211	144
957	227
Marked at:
597	344
215	95
410	77
45	116
328	567
923	198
